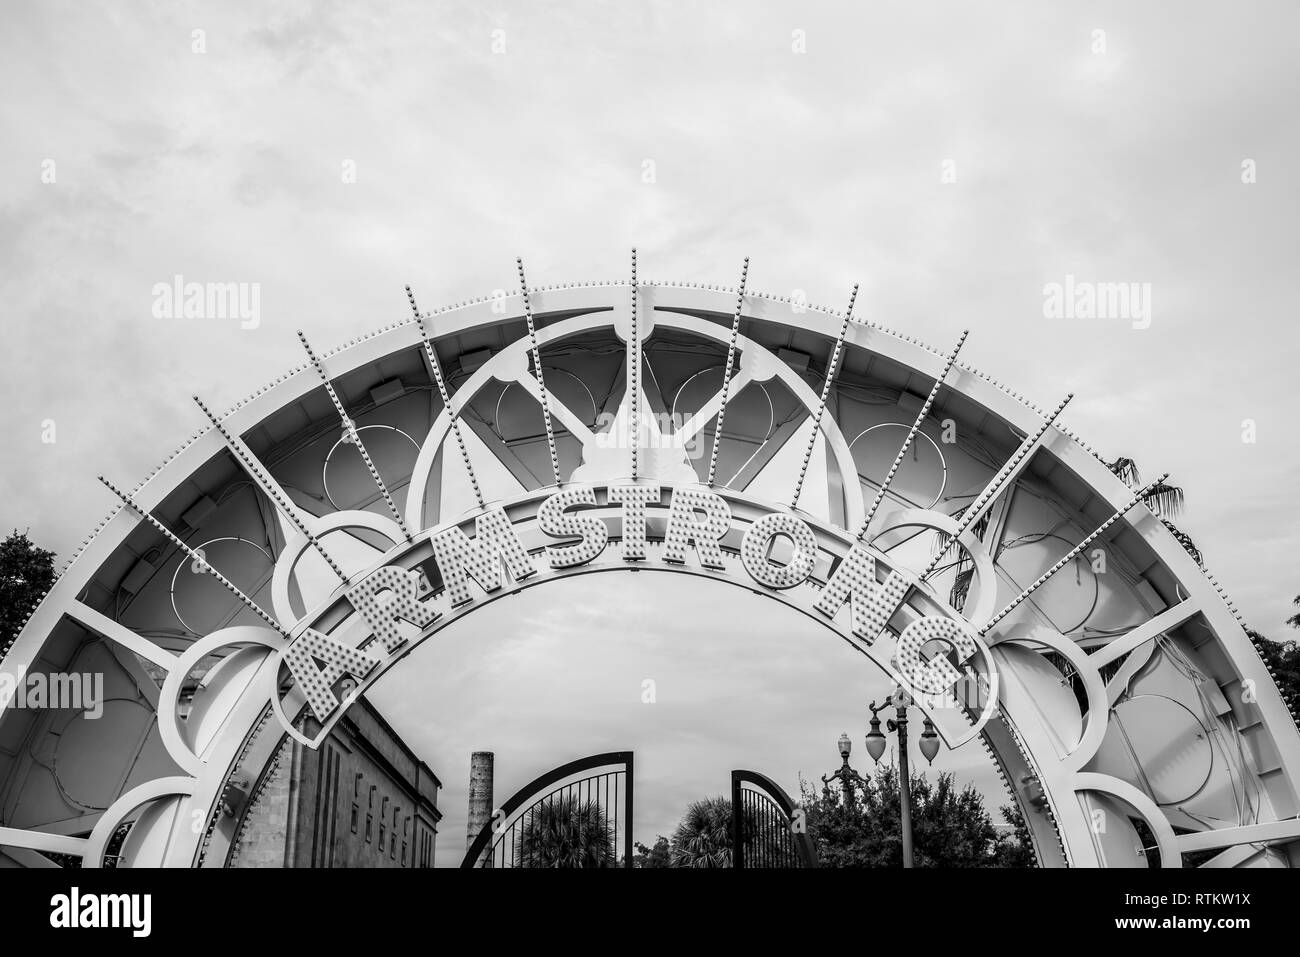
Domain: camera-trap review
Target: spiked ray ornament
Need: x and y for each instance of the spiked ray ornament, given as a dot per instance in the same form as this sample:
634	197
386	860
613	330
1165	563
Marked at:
350	428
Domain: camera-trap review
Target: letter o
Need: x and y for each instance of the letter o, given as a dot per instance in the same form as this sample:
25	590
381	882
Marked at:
754	549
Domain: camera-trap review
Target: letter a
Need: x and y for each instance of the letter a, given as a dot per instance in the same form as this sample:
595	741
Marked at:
317	684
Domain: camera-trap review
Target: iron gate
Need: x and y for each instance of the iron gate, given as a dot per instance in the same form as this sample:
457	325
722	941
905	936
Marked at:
576	815
767	829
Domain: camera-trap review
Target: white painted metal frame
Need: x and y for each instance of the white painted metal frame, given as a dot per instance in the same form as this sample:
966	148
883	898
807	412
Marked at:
592	307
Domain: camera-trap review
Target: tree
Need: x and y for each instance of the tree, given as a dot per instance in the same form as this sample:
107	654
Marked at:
1016	850
950	827
1165	500
658	856
566	833
1283	659
703	838
26	574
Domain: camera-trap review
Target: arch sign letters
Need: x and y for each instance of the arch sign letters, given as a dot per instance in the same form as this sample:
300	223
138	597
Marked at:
692	529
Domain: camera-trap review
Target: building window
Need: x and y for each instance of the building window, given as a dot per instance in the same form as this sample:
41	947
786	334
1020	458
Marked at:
370	822
356	799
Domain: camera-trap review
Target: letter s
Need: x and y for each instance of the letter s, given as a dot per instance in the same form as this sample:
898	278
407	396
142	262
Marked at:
552	520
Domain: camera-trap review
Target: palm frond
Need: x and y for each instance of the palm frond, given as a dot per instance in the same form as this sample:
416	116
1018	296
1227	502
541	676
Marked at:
961	587
1126	470
1164	499
1185	540
704	838
566	833
960	561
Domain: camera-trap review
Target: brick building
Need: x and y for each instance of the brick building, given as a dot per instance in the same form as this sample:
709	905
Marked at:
363	799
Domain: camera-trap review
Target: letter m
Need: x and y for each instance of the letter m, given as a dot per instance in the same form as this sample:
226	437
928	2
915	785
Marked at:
495	544
65	691
116	910
222	300
872	604
1113	300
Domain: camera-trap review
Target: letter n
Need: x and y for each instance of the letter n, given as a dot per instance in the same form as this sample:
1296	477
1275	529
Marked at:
872	604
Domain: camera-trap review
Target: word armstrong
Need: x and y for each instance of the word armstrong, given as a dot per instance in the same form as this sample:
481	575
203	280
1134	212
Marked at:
697	521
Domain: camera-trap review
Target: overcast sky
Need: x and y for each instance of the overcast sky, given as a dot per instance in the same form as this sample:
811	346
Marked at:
1122	164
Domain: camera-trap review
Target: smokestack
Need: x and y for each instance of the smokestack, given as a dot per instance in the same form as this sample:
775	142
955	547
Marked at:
480	795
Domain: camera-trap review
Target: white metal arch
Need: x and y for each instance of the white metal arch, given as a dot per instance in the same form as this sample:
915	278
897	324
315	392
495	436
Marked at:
589	307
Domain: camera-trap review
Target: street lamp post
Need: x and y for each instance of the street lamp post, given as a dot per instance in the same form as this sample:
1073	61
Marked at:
847	777
900	700
899	724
